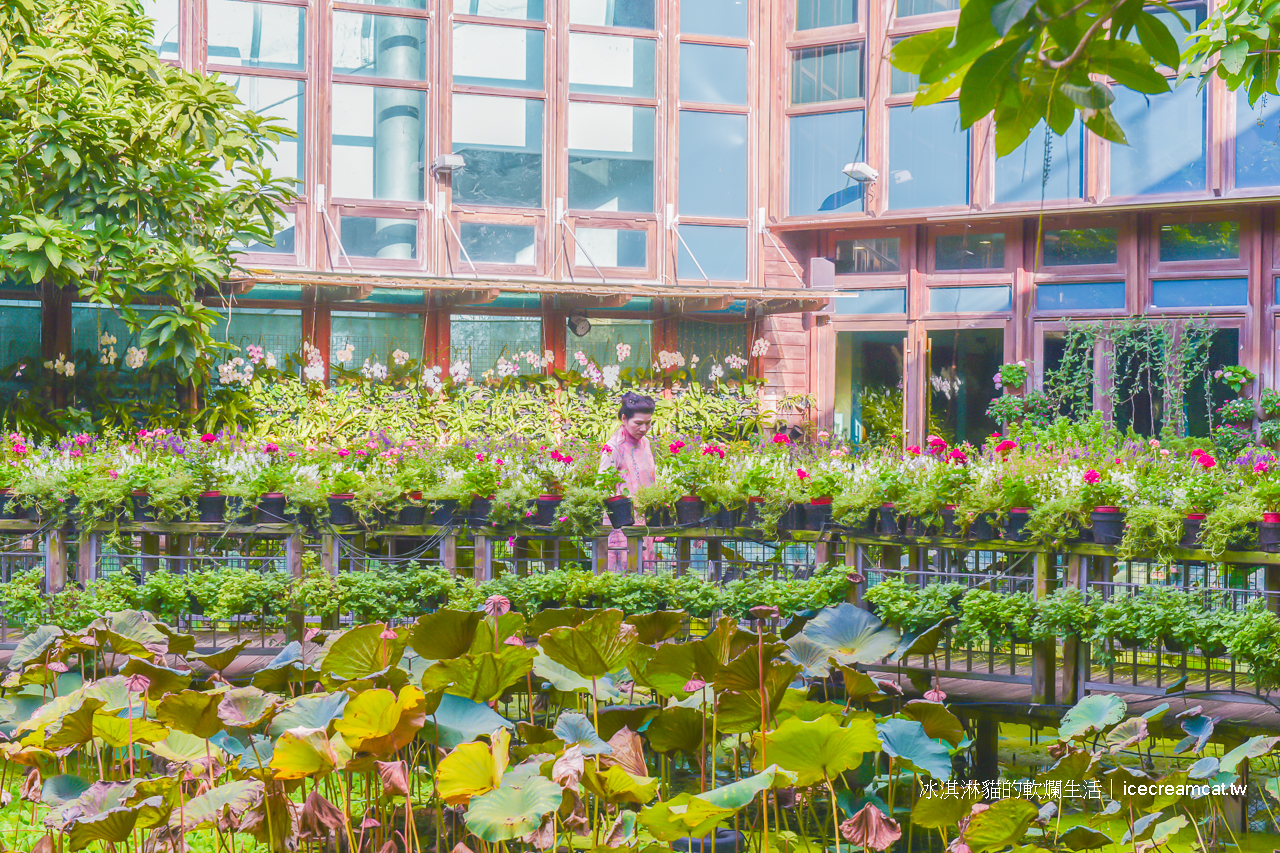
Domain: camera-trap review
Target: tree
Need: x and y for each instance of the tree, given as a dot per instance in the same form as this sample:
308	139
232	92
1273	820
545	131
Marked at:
1027	61
123	178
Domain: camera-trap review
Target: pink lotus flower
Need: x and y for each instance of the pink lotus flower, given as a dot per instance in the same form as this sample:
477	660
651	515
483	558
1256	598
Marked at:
934	695
497	605
1206	461
693	685
513	640
1091	476
388	633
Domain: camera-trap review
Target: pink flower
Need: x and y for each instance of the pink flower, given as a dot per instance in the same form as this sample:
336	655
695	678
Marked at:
479	457
781	438
291	454
693	685
497	605
1206	461
914	450
208	438
513	640
1006	445
19	448
77	453
958	456
343	452
1261	467
82	439
568	460
934	695
387	633
113	473
362	452
675	447
936	444
271	447
607	449
1091	476
1197	452
801	473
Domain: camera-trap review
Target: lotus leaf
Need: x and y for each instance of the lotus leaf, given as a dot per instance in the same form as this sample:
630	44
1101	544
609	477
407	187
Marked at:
511	812
1199	729
1252	748
1128	733
380	722
666	669
120	731
58	790
556	617
1072	767
473	769
677	728
362	653
130	632
999	826
34	645
246	707
938	722
906	739
480	677
740	712
1095	713
614	718
192	712
658	625
920	644
458	720
577	729
220	660
1162	833
813	658
819	750
1142	828
1083	838
287	668
214	807
618	786
161	679
595	648
851	634
444	634
935	812
72	728
312	711
303	753
185	749
567	681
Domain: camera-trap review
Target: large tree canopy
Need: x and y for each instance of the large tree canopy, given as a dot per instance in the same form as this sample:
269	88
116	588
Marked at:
121	176
1024	61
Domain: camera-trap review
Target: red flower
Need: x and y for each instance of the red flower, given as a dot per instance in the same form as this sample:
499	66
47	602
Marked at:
958	456
801	473
1006	445
781	438
936	444
271	447
1091	476
914	450
1197	452
208	438
343	452
675	447
1206	460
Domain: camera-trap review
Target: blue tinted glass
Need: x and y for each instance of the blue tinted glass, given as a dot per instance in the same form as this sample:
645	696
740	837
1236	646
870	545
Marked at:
501	141
902	82
1166	146
1200	241
638	14
264	35
813	14
522	10
611	65
379	46
714	18
377	142
505	57
488	243
1020	174
713	164
887	301
1199	292
970	300
928	157
907	8
1257	142
610	157
720	250
712	74
610	247
1052	296
375	336
367	237
829	73
821	146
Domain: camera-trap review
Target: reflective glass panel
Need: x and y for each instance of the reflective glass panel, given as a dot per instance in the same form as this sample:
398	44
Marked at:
637	14
969	251
713	74
611	65
713	164
369	237
928	157
1020	174
813	14
1182	24
284	243
1157	160
714	18
501	140
1200	241
1257	142
615	248
375	336
1199	292
400	4
902	82
1080	296
970	300
505	57
165	15
872	255
721	251
520	10
907	8
608	334
961	364
284	102
821	146
481	341
378	142
868	392
277	330
829	73
490	243
610	157
379	46
712	343
1071	247
257	35
892	300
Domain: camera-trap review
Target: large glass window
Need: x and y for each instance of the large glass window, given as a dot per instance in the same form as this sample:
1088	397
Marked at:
1021	176
257	35
378	142
889	300
285	242
283	101
822	144
1200	241
379	237
714	18
829	73
969	251
481	341
1079	296
20	333
520	10
1257	142
720	252
501	141
970	300
928	157
907	8
902	82
608	336
165	15
611	65
1070	247
379	46
1200	292
491	243
611	157
868	255
1158	159
503	57
277	330
814	14
637	14
713	74
713	164
375	336
868	400
961	364
617	248
400	4
712	343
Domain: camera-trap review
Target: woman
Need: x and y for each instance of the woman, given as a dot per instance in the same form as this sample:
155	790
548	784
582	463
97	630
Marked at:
628	450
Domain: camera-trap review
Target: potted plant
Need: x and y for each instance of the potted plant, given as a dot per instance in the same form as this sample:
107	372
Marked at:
1235	376
1064	613
343	485
653	503
1238	412
482	477
682	466
552	470
617	506
1118	621
1019	615
1104	494
982	617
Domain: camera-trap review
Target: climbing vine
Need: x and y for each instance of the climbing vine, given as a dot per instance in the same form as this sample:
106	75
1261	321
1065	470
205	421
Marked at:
1069	386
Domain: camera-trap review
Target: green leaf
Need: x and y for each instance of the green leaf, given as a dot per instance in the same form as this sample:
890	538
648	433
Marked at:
656	626
1004	823
381	722
458	720
480	677
906	739
851	635
512	812
1095	713
361	652
1233	56
1009	12
311	711
938	722
303	753
911	53
821	749
1156	39
473	769
618	786
1256	746
58	790
119	732
246	707
936	812
595	648
215	807
577	729
444	634
1083	838
677	728
192	712
988	75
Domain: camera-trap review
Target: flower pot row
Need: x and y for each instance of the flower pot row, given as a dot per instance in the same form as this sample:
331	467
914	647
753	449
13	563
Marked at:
691	510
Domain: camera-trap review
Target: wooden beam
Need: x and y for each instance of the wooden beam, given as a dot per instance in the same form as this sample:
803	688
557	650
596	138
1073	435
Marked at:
345	292
790	306
695	304
589	302
447	298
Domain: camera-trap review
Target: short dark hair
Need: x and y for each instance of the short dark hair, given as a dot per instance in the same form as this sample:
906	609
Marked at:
635	404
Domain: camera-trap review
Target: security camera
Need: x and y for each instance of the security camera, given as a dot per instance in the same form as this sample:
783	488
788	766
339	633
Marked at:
861	172
447	164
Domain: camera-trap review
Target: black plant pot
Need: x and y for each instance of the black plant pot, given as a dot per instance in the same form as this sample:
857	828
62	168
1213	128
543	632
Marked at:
142	507
306	519
1107	525
620	510
443	512
8	504
212	507
1247	540
982	530
792	518
412	514
727	518
949	526
548	506
270	509
1173	646
864	526
659	516
340	511
1191	530
235	509
817	514
1129	642
1269	533
1015	524
723	841
478	513
1213	650
689	510
891	524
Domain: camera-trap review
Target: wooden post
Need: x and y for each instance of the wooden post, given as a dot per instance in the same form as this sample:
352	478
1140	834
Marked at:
635	546
1273	586
87	558
986	749
449	552
297	625
853	563
329	554
1044	675
55	561
684	555
1074	650
600	555
715	559
484	559
150	553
